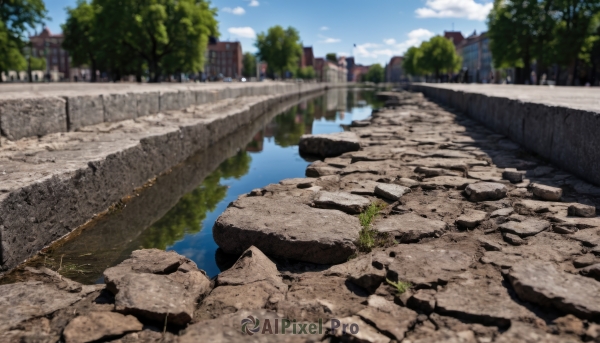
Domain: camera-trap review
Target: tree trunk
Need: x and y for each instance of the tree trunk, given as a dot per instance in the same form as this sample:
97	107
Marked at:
571	75
93	76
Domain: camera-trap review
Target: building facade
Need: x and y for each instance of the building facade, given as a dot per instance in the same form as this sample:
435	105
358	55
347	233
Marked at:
394	71
223	59
327	71
49	46
308	57
477	59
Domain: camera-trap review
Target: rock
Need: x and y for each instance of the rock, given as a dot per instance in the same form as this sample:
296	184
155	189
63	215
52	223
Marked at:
389	318
299	182
406	182
252	266
410	227
337	162
472	301
423	300
593	332
25	300
447	181
501	259
523	333
363	271
391	191
349	203
329	145
484	191
287	229
363	187
513	175
318	169
584	261
513	239
365	332
425	266
581	210
546	192
99	325
541	283
488	244
519	193
529	227
371	167
569	325
503	212
432	172
471	218
592	271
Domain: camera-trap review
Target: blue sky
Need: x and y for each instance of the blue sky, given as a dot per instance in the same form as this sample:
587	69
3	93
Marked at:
379	28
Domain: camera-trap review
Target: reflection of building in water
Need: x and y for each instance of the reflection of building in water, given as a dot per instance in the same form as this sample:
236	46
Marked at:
256	144
336	102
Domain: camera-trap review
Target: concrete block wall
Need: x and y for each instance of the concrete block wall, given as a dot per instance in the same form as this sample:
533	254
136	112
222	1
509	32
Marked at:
25	114
567	137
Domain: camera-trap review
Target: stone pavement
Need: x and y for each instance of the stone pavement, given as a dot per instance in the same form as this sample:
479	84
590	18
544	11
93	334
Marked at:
475	241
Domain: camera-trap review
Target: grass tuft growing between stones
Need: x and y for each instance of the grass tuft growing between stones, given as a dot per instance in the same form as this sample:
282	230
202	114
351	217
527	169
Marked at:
401	286
368	238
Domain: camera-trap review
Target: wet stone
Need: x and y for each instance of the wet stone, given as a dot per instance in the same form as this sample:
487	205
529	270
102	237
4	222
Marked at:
546	192
541	283
484	191
410	227
581	210
513	175
96	326
391	191
471	219
526	228
349	203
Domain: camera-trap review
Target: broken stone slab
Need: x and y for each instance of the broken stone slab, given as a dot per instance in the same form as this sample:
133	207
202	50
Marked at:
97	326
252	266
447	181
503	212
389	318
501	259
287	229
581	210
473	301
432	172
337	162
423	300
513	175
471	218
406	182
592	271
362	271
329	145
319	168
546	192
299	182
513	239
363	187
346	202
425	266
484	191
529	227
391	191
585	260
488	244
25	300
524	333
365	332
410	227
541	283
374	167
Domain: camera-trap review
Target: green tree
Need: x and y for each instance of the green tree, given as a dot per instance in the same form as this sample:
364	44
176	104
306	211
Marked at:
332	57
306	73
249	63
16	17
375	74
80	37
438	55
410	63
280	48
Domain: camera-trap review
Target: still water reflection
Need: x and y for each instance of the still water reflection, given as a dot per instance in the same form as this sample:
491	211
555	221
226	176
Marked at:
178	211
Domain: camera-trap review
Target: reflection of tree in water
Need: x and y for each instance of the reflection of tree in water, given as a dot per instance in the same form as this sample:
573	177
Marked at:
371	98
189	213
290	126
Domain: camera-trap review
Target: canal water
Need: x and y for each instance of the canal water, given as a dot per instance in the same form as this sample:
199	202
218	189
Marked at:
178	210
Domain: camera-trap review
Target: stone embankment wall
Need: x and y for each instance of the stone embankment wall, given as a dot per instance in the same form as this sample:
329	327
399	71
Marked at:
560	124
53	184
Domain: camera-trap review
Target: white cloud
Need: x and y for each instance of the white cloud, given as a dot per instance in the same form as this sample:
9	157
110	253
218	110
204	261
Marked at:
243	32
236	10
254	3
328	40
455	9
324	28
391	47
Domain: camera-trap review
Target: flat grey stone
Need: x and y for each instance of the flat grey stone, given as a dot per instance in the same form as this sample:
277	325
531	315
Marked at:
529	227
447	181
432	172
513	239
503	212
513	175
329	145
525	333
471	218
391	191
35	116
410	227
541	283
387	317
319	168
488	244
96	326
484	191
581	210
406	182
252	266
84	110
546	192
349	203
361	271
585	260
287	229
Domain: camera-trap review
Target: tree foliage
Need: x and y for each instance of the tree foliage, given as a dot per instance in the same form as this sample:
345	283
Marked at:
435	56
306	73
16	17
409	64
331	57
131	36
249	65
280	48
375	74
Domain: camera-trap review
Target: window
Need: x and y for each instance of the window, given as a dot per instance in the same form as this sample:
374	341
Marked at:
226	46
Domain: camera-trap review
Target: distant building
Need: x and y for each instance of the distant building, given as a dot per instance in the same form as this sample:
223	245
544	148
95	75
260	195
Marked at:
358	71
49	46
223	59
327	71
393	71
477	58
455	37
308	57
350	67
